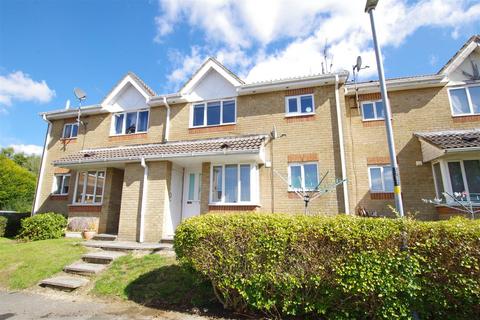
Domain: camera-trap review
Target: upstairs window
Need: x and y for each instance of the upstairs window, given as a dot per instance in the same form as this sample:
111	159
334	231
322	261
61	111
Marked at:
214	113
70	131
303	176
373	110
130	122
299	105
89	187
381	178
61	184
465	101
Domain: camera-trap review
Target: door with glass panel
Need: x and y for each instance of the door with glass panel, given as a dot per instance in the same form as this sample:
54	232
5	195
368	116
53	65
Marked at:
192	193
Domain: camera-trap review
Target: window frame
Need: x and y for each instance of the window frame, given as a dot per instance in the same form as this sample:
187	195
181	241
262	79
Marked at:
124	122
469	99
83	203
65	128
382	167
374	102
302	173
299	106
254	189
205	120
55	185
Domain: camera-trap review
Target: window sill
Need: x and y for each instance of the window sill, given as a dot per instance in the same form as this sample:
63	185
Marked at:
373	123
78	207
294	115
300	118
216	128
375	195
123	137
466	118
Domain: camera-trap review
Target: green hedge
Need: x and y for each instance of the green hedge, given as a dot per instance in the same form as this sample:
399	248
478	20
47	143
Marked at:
336	267
3	226
43	226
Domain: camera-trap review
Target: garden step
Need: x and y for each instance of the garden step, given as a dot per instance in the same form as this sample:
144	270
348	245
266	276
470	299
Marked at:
128	245
105	237
84	268
102	257
66	283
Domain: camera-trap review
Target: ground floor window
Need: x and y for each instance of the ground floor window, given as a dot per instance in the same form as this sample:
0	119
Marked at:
460	178
89	187
61	184
303	176
233	183
380	178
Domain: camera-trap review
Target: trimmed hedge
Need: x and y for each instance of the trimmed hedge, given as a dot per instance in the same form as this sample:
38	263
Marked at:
3	226
336	267
43	226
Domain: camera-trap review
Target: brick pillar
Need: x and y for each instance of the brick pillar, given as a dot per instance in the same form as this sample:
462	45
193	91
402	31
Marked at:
205	196
128	228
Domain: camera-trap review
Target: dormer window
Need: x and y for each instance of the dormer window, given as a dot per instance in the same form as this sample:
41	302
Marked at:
70	131
213	113
130	122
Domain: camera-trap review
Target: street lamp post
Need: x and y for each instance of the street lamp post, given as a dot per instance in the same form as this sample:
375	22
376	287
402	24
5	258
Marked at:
370	7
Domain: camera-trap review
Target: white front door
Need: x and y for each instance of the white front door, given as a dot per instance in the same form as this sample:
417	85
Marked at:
191	192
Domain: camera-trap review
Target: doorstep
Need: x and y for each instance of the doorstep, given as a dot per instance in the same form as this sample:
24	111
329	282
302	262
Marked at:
128	245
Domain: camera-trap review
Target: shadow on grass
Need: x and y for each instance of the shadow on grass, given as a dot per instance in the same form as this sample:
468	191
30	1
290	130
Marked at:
175	288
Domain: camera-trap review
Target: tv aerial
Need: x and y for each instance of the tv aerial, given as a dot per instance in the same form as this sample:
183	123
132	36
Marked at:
80	95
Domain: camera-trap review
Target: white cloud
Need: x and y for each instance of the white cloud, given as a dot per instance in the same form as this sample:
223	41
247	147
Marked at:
27	149
280	38
20	86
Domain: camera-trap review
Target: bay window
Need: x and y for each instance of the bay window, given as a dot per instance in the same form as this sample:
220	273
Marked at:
302	176
213	113
465	100
233	183
61	184
130	122
381	178
459	178
298	105
89	187
373	110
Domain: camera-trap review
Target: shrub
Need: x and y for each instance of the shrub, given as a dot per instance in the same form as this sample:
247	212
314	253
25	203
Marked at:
43	226
336	267
3	226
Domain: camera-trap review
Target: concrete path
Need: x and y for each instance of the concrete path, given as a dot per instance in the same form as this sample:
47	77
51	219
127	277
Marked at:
29	306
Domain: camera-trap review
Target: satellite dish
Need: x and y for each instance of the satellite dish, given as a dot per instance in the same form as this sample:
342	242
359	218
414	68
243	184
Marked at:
274	133
80	94
358	66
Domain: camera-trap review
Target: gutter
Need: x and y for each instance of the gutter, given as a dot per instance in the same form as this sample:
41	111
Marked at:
36	201
167	120
342	147
144	200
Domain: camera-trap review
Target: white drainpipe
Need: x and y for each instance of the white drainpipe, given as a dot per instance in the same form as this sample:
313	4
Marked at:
36	203
144	200
342	147
167	122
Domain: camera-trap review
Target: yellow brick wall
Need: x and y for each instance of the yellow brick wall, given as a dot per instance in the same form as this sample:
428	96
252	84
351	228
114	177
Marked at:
131	202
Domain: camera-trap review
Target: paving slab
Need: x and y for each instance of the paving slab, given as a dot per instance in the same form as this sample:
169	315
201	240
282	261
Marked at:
105	237
127	245
65	282
84	268
102	257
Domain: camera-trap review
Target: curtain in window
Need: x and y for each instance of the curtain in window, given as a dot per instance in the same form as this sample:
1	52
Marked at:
231	183
475	97
131	126
119	123
459	101
217	184
142	121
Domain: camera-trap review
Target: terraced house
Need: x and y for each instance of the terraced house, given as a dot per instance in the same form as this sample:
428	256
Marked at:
139	163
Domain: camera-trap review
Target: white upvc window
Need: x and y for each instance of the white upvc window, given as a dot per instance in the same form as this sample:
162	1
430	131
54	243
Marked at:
213	113
234	184
373	110
465	100
89	187
70	130
61	183
130	122
303	176
380	178
299	105
460	178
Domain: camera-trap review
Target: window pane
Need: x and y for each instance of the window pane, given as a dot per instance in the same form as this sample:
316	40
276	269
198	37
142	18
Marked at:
229	111
438	180
199	186
472	172
368	113
388	179
292	104
80	184
245	182
217	184
376	179
131	126
380	110
459	101
475	97
231	183
99	190
68	131
456	178
66	184
306	104
89	195
119	123
296	177
142	121
213	113
57	185
198	114
191	186
74	130
311	176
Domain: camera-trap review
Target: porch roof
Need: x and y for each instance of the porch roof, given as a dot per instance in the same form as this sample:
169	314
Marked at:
248	144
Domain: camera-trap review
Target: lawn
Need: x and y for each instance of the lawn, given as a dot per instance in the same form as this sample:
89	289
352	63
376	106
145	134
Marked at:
156	281
24	264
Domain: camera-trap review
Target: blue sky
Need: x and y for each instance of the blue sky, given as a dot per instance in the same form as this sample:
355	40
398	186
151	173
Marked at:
49	47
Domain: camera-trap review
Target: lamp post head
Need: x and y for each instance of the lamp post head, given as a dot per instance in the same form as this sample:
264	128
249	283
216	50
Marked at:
371	5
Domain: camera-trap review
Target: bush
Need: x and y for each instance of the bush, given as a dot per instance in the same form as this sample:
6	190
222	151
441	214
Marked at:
336	267
3	226
43	226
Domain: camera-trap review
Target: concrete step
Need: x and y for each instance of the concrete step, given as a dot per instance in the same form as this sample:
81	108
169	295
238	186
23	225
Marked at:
105	237
102	257
128	245
84	268
167	241
65	283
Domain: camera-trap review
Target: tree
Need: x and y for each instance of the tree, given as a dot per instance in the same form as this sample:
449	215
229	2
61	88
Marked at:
29	162
17	185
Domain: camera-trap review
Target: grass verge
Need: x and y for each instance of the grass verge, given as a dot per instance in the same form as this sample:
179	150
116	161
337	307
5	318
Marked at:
24	264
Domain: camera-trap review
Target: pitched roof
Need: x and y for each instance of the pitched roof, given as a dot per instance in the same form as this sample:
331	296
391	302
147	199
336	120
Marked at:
474	38
137	80
454	139
215	146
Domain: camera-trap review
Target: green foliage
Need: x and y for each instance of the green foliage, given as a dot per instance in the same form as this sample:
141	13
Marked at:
3	226
17	186
336	267
29	162
43	226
